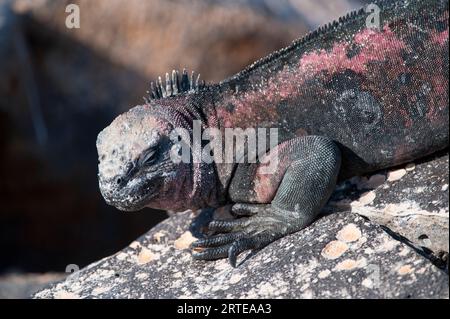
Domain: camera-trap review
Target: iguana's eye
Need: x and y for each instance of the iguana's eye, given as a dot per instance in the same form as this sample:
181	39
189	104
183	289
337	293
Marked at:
148	157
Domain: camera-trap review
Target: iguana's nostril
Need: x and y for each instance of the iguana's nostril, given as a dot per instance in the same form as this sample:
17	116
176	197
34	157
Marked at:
119	181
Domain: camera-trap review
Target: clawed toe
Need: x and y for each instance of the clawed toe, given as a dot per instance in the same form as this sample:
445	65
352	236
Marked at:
217	240
211	253
228	225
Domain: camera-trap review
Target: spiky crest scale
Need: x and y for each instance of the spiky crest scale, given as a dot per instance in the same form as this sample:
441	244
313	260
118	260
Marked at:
174	85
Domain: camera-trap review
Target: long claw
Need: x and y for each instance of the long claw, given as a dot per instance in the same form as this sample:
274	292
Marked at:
238	247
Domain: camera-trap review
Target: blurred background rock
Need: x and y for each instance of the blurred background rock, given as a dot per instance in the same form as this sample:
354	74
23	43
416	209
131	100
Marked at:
59	87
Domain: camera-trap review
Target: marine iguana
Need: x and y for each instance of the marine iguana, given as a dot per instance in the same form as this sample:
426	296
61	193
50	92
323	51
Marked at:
347	99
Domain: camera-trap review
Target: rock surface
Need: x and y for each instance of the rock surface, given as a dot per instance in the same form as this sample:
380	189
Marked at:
411	200
342	255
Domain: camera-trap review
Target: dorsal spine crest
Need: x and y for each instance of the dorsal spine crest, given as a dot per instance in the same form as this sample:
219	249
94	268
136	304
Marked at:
174	85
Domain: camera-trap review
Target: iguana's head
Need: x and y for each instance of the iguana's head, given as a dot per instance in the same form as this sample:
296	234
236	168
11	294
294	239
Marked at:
135	167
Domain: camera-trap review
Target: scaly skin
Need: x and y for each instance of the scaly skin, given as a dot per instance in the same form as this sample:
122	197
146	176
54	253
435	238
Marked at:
347	100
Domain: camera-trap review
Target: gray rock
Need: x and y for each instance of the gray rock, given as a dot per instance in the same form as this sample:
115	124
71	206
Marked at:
412	201
340	256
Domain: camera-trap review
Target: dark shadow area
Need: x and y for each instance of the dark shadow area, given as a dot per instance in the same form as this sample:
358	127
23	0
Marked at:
52	212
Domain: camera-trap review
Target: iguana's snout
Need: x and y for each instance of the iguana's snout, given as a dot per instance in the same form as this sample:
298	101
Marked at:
134	166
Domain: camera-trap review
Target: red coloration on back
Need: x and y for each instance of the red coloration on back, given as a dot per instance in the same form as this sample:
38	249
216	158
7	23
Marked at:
375	45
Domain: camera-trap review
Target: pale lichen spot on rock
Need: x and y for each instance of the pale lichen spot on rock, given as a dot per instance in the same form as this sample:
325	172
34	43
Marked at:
405	251
100	290
135	245
396	175
222	264
387	245
159	235
64	294
334	249
122	256
324	274
184	241
304	287
349	264
421	270
349	233
145	256
103	274
141	276
268	289
308	294
365	199
368	283
404	270
235	278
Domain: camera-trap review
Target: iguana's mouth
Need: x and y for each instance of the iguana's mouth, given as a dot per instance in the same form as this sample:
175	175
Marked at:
131	198
135	206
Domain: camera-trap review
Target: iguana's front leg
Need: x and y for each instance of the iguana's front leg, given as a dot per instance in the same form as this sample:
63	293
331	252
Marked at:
270	206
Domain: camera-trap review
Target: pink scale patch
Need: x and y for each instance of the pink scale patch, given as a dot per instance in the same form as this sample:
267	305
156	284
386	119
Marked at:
375	45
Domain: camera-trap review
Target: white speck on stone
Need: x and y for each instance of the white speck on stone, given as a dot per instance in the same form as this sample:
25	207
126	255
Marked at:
404	252
159	235
135	245
324	274
308	294
142	276
100	290
304	287
387	245
104	273
235	278
64	294
368	283
444	187
122	256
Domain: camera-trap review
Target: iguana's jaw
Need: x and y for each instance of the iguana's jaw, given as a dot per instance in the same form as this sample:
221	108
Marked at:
135	195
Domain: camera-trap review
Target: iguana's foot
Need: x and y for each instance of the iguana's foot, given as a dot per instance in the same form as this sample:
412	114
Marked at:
312	169
261	225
